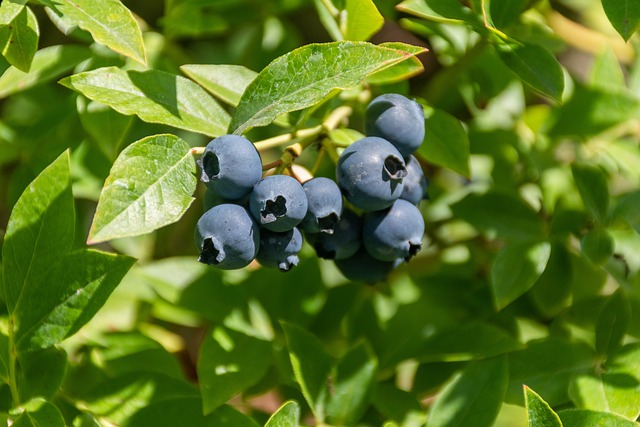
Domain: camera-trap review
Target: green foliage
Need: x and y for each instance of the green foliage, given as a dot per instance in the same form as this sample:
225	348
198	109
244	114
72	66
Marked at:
522	308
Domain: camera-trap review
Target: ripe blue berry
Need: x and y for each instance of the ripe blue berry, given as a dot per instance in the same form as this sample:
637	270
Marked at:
231	165
397	119
362	267
280	249
370	173
227	237
345	240
278	202
325	205
393	233
415	183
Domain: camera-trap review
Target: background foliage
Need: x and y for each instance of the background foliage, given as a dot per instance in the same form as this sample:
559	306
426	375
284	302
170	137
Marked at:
523	308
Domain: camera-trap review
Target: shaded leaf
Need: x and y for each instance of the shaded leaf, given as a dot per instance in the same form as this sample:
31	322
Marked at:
515	270
592	186
438	11
473	397
539	414
551	293
109	22
624	15
149	186
38	413
106	126
446	143
287	416
613	322
154	96
585	417
226	82
305	76
506	12
40	373
597	245
19	39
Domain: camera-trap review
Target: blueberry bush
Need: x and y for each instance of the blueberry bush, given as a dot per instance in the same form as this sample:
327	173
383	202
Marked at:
319	213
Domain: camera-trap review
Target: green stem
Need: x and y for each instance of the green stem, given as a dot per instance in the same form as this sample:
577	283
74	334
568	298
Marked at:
13	384
331	7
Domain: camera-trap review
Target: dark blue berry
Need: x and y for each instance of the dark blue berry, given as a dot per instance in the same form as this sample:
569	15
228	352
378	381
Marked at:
345	240
280	249
397	119
393	233
415	183
227	237
278	202
231	165
325	205
362	267
370	173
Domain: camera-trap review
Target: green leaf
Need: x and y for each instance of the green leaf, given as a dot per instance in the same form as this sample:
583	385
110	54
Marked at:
436	10
613	322
516	269
585	417
109	22
226	82
9	9
628	209
40	373
149	186
229	363
287	416
551	293
502	214
398	405
154	96
41	228
615	389
606	72
38	413
597	245
401	71
362	20
48	64
187	411
305	76
106	126
74	288
19	39
352	385
536	66
506	12
592	186
473	397
624	15
474	340
311	366
539	414
446	143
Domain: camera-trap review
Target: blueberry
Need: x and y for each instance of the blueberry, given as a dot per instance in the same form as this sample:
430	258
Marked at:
362	267
370	173
280	249
325	205
227	237
397	119
415	183
345	240
231	165
278	202
393	233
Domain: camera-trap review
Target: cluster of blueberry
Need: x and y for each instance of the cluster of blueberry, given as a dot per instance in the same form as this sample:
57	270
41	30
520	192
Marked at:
251	217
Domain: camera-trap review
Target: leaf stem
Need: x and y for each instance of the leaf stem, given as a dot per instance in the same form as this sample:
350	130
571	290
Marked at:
279	140
13	384
331	8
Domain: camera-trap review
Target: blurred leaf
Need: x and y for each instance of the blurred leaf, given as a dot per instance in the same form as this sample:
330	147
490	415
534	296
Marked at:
398	405
311	366
615	389
109	22
328	14
149	186
362	21
287	416
584	417
9	9
551	293
504	214
506	12
105	125
613	322
474	340
536	66
547	366
352	385
305	76
40	373
48	64
446	143
229	363
19	39
473	397
40	229
606	72
226	82
628	209
516	268
39	412
624	15
597	245
592	186
436	10
590	111
154	96
539	414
